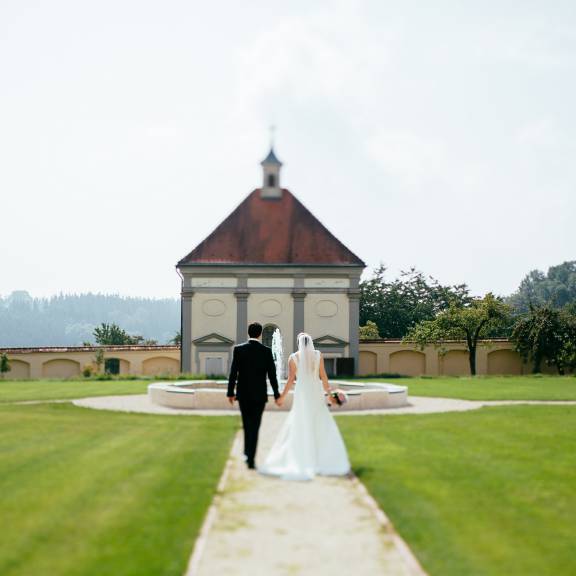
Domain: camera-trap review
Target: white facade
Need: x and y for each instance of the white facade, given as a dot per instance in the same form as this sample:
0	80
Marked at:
218	303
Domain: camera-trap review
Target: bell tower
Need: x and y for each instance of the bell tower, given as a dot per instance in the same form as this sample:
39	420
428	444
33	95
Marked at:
271	176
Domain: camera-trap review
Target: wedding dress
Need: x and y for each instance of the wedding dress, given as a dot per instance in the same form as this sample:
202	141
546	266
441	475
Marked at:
309	441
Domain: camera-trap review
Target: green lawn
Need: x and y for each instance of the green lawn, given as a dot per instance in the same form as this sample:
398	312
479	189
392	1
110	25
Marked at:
490	387
490	492
21	390
85	492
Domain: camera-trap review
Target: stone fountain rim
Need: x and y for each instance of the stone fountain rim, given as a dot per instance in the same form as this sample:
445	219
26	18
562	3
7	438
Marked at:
180	387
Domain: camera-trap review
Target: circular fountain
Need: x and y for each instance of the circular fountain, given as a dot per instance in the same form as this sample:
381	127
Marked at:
211	395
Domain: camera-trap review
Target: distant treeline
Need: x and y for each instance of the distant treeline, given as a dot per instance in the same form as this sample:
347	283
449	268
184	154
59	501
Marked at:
394	306
69	320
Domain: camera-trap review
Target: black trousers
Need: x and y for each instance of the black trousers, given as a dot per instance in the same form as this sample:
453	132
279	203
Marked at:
251	411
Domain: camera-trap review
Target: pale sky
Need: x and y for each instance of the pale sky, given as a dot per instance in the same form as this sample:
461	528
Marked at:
439	134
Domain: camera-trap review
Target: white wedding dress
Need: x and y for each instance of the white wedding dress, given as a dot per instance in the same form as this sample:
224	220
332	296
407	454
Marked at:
309	441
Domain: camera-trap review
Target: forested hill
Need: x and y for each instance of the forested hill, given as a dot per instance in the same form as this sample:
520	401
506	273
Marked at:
69	320
393	305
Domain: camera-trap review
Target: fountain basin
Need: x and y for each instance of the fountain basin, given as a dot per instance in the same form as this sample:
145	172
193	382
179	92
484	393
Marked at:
211	395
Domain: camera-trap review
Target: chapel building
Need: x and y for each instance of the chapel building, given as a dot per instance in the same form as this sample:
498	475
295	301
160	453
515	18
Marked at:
270	261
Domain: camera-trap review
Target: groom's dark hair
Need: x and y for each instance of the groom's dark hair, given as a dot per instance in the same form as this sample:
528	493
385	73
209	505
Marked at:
254	330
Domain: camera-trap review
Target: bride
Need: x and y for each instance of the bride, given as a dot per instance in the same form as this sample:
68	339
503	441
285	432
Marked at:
309	441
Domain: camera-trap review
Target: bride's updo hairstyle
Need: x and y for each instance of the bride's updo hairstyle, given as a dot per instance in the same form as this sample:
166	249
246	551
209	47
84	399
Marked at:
306	349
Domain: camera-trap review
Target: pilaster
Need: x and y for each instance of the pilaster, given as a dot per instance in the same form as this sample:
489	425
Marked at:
354	336
241	295
298	296
186	332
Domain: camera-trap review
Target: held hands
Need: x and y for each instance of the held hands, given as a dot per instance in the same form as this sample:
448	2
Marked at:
279	401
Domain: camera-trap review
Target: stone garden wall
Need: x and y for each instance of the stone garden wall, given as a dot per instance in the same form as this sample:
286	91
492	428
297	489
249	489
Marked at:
69	362
393	357
376	357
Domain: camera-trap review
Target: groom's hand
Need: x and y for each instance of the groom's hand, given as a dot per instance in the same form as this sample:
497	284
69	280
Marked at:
231	399
279	401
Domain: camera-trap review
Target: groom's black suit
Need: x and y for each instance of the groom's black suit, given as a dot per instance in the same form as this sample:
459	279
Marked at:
251	362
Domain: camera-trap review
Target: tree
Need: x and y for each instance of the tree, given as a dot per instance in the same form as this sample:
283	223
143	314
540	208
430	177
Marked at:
556	288
397	306
177	339
113	335
470	322
369	332
570	308
140	340
548	335
4	364
568	356
566	360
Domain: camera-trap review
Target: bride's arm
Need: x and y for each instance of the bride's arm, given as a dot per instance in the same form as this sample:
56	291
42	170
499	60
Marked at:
290	381
324	378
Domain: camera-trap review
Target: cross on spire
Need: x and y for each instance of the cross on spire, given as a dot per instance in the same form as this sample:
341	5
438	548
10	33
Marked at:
272	130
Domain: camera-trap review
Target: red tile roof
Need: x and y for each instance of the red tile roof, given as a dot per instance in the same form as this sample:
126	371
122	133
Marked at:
271	231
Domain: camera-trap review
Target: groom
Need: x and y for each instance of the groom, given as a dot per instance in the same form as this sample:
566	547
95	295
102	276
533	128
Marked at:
251	362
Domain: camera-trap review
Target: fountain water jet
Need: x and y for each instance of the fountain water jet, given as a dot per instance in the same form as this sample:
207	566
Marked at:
278	355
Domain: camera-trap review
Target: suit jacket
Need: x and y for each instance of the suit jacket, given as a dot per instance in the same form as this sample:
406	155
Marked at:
251	362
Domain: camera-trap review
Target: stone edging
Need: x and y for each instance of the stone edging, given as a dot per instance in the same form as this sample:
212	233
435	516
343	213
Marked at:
411	561
210	518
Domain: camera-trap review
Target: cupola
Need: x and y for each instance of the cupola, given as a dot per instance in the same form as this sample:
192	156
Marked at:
271	176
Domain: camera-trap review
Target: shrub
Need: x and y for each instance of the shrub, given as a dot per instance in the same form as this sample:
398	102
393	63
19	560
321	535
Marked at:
4	364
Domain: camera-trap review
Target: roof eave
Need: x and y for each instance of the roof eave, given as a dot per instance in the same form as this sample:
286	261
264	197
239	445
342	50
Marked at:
271	265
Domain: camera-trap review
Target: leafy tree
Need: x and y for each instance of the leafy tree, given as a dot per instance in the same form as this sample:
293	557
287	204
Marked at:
568	356
111	334
397	306
4	364
566	361
571	308
370	331
140	340
471	322
548	335
557	288
177	339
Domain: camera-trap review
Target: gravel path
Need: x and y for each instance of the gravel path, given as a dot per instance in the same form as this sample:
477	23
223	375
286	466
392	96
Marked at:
141	403
266	527
418	405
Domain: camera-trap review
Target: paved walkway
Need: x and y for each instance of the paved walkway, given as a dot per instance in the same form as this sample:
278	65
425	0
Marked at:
142	404
267	527
418	405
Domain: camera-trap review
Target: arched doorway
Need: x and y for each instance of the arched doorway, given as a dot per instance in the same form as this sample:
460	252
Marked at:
116	366
267	334
112	366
